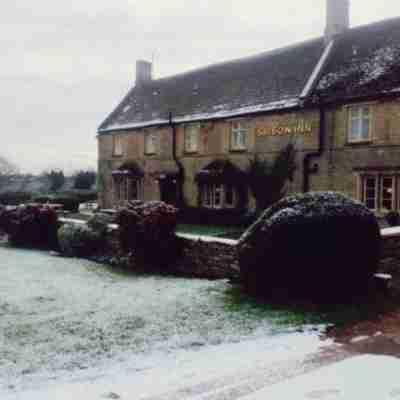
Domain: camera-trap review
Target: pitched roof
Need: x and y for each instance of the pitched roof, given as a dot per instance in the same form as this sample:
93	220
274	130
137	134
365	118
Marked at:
266	81
365	61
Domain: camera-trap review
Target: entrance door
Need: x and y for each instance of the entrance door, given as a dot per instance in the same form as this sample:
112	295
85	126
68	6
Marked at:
168	190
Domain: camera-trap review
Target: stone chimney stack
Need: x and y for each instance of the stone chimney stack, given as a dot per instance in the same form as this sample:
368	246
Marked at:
144	72
337	18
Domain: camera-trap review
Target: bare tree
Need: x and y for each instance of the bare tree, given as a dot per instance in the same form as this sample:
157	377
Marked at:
7	169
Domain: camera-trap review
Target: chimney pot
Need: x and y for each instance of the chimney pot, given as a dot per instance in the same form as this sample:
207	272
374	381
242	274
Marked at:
337	18
144	72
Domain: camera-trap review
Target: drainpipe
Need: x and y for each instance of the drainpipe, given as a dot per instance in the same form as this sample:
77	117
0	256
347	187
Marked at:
308	167
181	170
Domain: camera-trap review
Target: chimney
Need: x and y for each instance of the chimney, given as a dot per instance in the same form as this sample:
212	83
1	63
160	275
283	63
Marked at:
337	18
144	70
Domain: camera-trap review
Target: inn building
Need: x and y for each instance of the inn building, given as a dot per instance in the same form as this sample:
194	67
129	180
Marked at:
187	139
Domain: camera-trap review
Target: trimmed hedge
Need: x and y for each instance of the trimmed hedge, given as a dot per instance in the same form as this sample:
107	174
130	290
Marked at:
14	198
147	231
317	245
79	240
30	226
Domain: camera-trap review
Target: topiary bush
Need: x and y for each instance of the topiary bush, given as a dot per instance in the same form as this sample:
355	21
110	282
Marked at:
100	222
31	226
147	230
316	245
78	240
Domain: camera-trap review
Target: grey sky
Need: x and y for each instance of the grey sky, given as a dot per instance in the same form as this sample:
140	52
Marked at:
66	64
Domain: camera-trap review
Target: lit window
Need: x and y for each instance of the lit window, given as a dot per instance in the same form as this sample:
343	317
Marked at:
379	192
118	149
150	143
218	196
239	135
191	138
359	124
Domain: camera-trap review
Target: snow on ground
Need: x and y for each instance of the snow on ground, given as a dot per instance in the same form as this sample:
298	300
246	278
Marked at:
68	320
364	377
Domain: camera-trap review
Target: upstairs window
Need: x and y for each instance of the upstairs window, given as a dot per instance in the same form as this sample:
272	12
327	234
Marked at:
150	143
192	138
239	133
118	148
359	129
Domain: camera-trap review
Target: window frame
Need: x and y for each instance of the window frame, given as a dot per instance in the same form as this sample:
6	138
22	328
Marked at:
122	189
118	145
150	151
210	193
192	131
242	129
354	139
379	179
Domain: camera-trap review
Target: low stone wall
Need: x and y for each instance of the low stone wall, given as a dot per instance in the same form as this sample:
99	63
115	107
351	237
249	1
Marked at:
207	260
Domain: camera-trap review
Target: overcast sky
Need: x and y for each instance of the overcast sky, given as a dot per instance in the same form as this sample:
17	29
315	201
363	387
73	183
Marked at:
66	64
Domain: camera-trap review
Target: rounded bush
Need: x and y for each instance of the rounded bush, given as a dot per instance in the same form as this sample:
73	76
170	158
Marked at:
147	230
100	221
79	240
316	245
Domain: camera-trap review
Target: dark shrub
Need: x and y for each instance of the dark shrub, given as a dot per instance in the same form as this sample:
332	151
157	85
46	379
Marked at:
14	198
148	231
70	204
100	222
393	218
318	245
78	240
43	199
31	226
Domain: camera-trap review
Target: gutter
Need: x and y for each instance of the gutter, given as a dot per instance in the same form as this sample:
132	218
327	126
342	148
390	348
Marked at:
308	167
181	169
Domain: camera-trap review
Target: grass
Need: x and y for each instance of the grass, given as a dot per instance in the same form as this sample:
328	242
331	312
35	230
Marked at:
206	230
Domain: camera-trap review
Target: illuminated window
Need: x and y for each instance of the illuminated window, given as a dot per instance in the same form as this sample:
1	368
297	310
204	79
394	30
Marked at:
239	132
379	192
359	123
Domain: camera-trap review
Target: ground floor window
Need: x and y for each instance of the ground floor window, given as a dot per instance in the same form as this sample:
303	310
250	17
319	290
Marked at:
379	192
218	195
126	189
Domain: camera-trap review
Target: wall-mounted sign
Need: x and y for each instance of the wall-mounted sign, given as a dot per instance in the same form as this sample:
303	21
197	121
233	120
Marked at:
300	127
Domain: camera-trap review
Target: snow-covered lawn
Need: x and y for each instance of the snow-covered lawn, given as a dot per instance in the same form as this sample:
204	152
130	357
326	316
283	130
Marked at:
67	320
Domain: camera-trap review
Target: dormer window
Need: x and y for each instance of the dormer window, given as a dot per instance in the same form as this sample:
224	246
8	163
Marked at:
118	149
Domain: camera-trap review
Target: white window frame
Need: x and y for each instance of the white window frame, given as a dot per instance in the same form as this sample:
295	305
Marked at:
214	196
150	143
357	116
378	198
118	145
122	189
239	135
191	138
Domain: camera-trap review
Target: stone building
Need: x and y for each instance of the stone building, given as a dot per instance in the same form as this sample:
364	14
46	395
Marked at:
191	136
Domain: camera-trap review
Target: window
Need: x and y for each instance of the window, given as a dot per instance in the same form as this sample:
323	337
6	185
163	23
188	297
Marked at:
118	149
218	196
359	129
126	189
192	138
378	192
150	143
239	133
